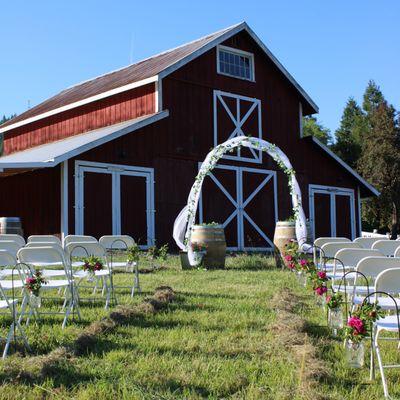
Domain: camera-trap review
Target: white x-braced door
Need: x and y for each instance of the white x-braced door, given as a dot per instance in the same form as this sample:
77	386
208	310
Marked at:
244	201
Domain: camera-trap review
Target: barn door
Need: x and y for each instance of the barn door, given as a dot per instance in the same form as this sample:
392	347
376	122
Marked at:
114	199
243	200
332	211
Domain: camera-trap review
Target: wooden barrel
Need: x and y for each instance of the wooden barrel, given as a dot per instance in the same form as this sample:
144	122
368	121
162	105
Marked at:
213	237
285	231
11	225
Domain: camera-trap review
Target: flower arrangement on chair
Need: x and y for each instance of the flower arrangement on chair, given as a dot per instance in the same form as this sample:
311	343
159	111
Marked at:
357	328
33	284
92	264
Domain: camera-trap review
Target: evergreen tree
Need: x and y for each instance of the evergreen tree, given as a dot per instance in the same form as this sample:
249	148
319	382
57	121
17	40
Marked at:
380	161
349	135
311	127
373	98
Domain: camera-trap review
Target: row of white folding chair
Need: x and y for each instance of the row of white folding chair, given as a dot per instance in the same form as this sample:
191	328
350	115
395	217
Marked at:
329	250
44	239
319	242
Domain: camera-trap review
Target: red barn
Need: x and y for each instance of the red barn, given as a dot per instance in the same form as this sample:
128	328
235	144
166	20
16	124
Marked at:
119	153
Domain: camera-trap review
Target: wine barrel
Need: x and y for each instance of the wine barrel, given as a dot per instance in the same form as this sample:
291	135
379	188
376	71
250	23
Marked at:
11	225
285	231
213	237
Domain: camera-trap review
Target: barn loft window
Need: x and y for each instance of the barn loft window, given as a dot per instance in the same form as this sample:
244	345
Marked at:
236	63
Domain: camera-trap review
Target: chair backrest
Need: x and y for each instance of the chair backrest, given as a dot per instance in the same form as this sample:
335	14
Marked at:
116	242
84	249
46	255
351	257
331	248
11	246
388	281
319	242
54	245
366	242
387	247
371	267
13	237
7	259
78	239
44	239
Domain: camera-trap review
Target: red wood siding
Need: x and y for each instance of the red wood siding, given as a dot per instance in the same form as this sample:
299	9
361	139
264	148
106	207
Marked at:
124	106
35	198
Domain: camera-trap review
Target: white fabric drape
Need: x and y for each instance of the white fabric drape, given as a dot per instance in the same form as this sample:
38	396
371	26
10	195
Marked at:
186	218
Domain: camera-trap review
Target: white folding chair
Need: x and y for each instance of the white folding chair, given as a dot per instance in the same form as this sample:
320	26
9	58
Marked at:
11	246
115	243
39	257
329	250
387	247
319	242
7	263
387	281
44	239
78	239
10	306
14	238
85	249
366	242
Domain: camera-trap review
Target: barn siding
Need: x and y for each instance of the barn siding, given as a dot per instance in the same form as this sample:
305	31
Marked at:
175	145
124	106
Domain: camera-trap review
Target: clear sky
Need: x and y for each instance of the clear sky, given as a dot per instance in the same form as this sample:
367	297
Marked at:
332	48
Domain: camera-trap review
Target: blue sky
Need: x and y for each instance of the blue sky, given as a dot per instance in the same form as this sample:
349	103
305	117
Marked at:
331	48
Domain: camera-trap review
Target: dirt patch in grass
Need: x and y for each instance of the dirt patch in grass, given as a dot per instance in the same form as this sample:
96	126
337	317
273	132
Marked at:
289	330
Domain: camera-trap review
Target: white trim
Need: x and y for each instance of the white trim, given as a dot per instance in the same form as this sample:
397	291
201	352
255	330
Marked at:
158	94
81	103
64	199
237	121
347	167
233	50
115	170
332	192
240	204
144	121
301	119
359	211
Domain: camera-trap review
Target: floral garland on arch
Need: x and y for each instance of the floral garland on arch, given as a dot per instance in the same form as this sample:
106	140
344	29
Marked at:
186	218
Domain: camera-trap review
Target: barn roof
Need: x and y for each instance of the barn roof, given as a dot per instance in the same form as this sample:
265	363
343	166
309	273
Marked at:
143	72
52	154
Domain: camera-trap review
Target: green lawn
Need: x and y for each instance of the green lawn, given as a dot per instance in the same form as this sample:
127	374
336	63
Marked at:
226	335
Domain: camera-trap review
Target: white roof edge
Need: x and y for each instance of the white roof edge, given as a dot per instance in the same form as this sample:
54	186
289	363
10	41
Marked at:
346	166
88	100
236	29
88	146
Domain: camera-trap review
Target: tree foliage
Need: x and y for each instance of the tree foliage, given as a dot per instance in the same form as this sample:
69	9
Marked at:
311	127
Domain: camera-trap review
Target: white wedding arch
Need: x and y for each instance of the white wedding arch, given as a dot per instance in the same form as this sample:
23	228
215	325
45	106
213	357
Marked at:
186	218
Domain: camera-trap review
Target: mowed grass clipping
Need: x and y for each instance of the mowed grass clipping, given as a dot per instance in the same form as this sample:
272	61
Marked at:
225	336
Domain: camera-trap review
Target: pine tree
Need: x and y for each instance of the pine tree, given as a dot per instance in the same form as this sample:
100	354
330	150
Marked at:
373	97
349	135
380	163
311	127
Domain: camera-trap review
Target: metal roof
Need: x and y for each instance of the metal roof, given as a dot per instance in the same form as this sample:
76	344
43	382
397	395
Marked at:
51	154
141	73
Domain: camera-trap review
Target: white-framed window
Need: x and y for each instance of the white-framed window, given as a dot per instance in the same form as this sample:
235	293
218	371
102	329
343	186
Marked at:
235	63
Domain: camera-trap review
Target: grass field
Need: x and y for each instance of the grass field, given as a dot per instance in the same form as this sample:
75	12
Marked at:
247	332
